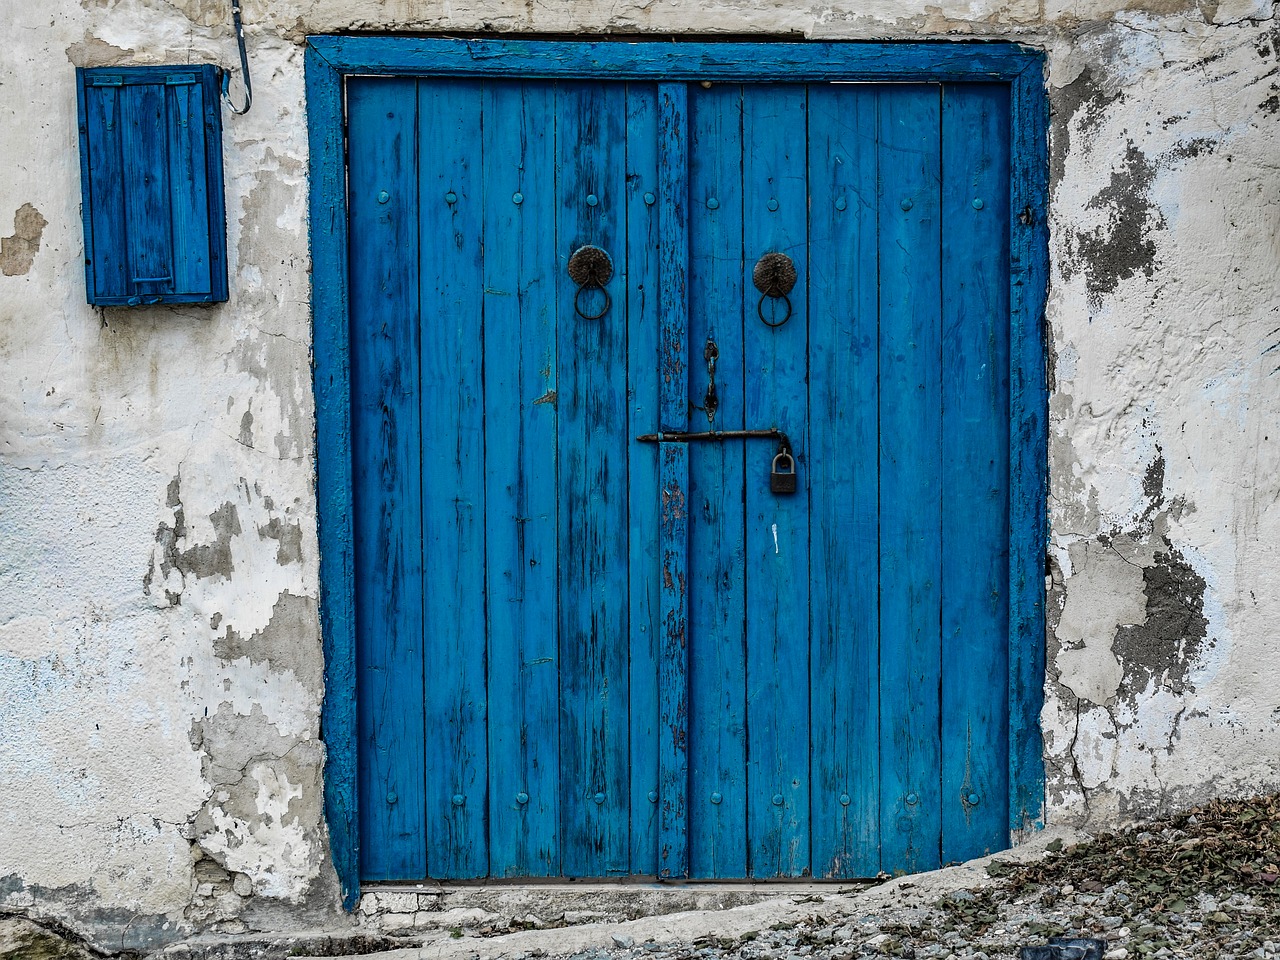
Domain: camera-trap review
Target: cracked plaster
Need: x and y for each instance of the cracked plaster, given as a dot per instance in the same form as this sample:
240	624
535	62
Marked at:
160	672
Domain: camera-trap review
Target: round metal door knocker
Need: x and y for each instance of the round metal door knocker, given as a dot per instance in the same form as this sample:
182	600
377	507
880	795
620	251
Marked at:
590	268
775	277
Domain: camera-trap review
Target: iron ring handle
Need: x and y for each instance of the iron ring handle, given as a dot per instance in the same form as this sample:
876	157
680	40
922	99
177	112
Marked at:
577	306
774	323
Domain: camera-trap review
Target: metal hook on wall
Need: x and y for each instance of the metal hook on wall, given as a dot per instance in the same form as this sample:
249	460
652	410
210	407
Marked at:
237	25
774	276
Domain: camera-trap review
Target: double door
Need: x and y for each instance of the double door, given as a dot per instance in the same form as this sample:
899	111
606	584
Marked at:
581	653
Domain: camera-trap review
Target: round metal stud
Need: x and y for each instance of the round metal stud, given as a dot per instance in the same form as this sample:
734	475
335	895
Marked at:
906	203
772	204
972	799
522	798
713	204
459	799
977	203
383	196
391	797
592	199
841	203
450	197
777	799
845	800
653	796
599	798
716	797
649	199
912	799
517	198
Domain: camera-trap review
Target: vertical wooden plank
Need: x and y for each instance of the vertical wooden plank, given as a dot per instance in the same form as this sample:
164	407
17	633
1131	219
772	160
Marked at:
975	478
644	563
329	296
453	473
673	672
188	190
520	442
910	477
592	484
144	142
386	512
843	389
775	219
1028	438
717	598
106	186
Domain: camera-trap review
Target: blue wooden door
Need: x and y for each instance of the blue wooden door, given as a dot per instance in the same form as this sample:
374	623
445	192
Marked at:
580	654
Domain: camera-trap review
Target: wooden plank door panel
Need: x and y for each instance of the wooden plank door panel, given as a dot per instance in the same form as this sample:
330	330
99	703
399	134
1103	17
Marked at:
844	478
775	219
910	476
521	530
386	468
717	585
590	121
451	284
975	494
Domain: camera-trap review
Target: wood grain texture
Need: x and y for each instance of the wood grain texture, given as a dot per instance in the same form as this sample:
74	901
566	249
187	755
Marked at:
450	284
1028	438
717	598
910	476
387	506
644	561
975	478
844	479
151	176
520	442
592	488
673	338
329	298
775	219
663	60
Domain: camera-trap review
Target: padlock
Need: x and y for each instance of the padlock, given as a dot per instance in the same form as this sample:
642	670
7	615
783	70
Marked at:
783	480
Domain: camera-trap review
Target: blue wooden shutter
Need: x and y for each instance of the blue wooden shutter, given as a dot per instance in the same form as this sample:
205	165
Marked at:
151	176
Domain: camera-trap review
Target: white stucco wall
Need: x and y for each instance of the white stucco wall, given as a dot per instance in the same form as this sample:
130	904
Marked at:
160	664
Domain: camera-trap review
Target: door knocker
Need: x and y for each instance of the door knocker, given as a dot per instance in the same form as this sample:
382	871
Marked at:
590	268
774	276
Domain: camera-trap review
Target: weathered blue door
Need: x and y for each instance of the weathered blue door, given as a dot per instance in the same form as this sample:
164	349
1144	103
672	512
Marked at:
580	654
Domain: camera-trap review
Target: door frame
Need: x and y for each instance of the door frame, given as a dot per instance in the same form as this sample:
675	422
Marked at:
330	59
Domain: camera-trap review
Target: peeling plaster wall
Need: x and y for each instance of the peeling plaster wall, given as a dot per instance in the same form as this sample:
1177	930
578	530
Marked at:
160	661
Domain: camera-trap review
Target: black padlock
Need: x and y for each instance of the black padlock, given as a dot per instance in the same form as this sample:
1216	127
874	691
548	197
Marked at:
782	478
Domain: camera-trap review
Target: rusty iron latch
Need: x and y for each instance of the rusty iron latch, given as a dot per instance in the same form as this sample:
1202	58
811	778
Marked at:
782	472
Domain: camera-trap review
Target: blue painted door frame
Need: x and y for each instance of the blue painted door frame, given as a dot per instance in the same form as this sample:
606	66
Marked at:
1016	73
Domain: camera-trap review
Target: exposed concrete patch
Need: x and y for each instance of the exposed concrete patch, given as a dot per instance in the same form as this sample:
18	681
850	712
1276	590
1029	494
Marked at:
96	52
1165	644
288	641
18	251
199	560
1122	247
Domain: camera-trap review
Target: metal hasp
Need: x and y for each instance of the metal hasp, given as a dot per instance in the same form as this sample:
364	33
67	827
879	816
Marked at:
151	177
783	477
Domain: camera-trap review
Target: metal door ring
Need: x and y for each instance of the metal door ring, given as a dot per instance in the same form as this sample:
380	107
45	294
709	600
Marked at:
775	277
590	267
577	304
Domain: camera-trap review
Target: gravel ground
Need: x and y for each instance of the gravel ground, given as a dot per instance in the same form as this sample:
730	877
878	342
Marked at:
1202	884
